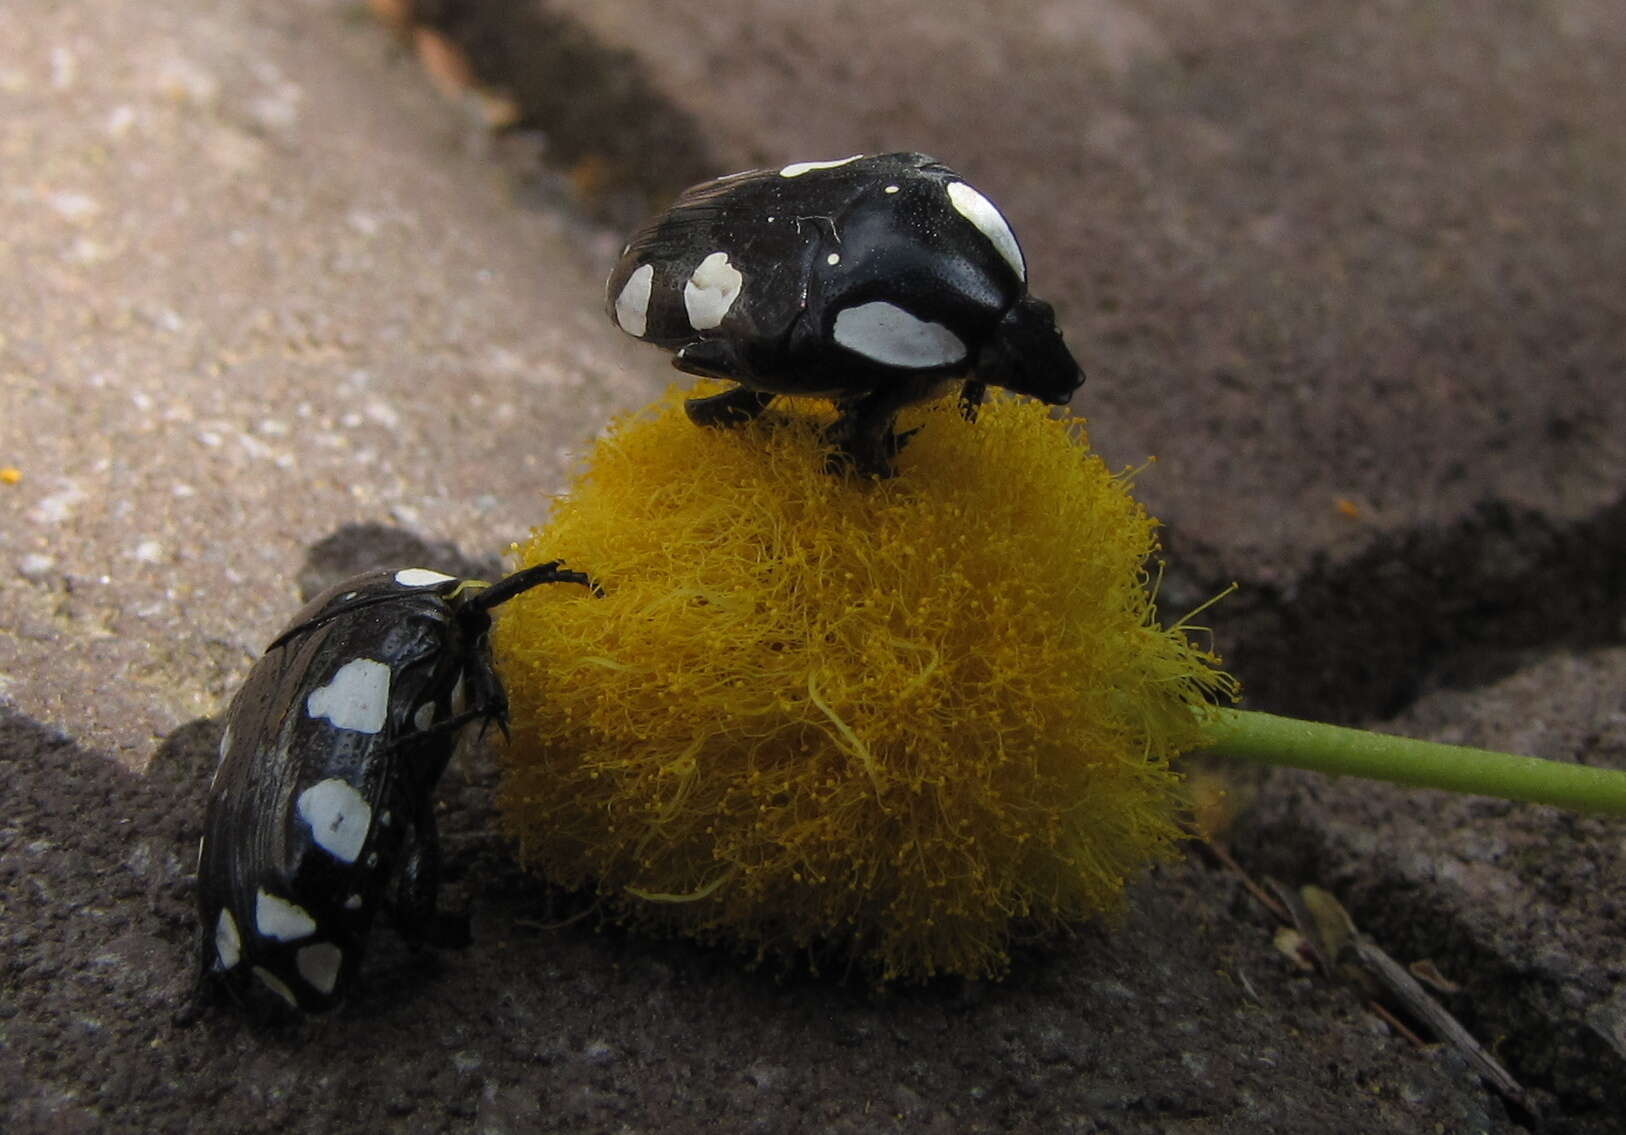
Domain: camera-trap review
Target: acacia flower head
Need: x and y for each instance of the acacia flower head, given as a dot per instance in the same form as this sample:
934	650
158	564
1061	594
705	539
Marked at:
906	719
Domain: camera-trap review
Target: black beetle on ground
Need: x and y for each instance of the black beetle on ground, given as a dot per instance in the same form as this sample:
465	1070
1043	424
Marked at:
320	811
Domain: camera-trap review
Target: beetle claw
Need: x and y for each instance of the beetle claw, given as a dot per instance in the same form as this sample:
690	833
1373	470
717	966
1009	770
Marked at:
972	393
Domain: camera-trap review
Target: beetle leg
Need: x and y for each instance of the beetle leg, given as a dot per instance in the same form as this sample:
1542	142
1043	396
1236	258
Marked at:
716	358
730	408
862	432
413	911
868	460
862	442
526	578
972	392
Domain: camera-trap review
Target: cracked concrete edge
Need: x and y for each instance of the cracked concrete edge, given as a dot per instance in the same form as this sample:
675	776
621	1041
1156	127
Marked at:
1519	904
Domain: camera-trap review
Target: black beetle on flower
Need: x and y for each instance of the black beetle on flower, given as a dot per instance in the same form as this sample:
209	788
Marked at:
873	281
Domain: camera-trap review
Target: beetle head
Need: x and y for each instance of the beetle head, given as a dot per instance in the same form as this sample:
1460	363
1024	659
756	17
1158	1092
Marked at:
1027	355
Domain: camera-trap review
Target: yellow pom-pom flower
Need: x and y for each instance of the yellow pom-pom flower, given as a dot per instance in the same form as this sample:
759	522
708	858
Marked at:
905	718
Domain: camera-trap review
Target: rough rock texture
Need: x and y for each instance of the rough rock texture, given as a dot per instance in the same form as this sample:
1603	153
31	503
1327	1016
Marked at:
1354	273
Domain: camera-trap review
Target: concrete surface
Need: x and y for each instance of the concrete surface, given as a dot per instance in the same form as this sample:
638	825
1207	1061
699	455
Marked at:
1355	273
256	288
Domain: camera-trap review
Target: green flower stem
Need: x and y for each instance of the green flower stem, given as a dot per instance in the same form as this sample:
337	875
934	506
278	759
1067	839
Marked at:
1269	739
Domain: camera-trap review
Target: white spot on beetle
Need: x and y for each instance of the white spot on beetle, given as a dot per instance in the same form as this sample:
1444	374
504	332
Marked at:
891	189
632	305
338	817
886	333
981	212
833	259
711	291
353	903
424	717
357	698
319	964
421	577
797	169
372	859
228	942
280	919
276	985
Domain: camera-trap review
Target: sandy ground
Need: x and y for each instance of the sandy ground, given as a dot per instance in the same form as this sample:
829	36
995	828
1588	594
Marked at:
271	303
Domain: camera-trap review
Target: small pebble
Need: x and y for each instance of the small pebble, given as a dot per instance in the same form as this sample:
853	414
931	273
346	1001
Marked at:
35	567
57	507
72	206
